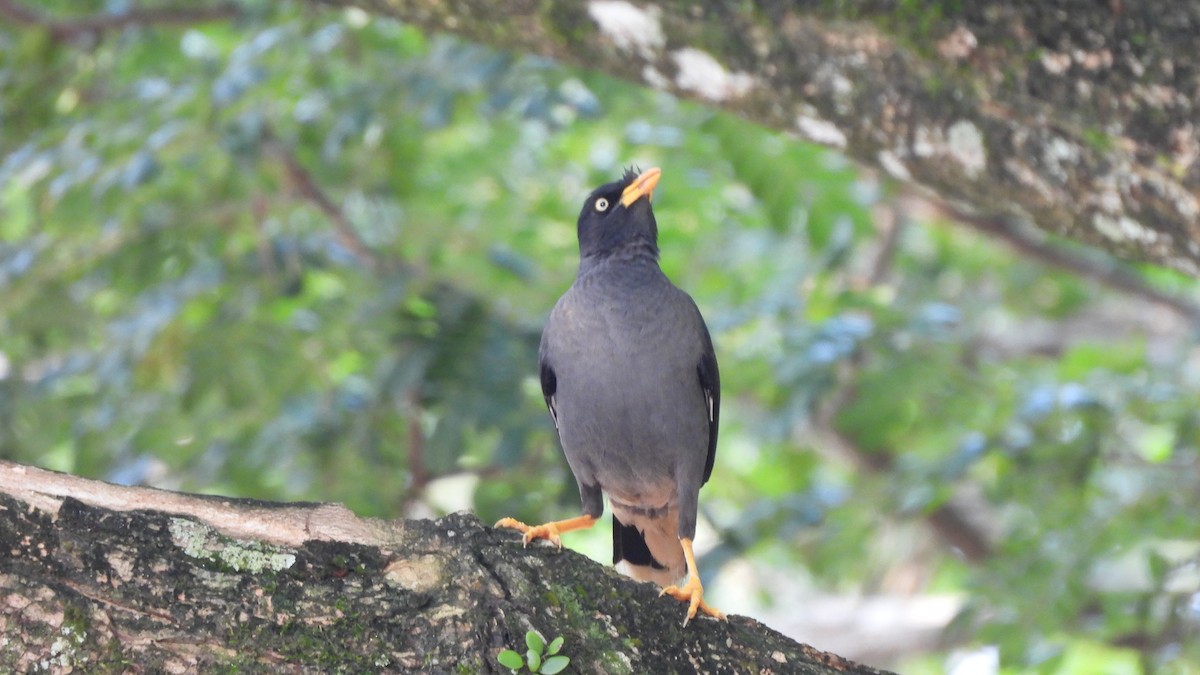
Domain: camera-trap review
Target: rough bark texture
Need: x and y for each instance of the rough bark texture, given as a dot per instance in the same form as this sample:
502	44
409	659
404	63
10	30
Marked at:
1077	116
102	578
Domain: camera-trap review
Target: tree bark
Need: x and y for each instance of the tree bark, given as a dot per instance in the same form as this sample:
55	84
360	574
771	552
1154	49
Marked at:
1078	117
103	578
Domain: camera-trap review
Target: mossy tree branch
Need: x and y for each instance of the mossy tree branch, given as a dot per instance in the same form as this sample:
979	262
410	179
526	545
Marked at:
105	578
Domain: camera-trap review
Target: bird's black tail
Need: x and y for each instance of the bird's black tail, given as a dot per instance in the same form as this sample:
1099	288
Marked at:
630	545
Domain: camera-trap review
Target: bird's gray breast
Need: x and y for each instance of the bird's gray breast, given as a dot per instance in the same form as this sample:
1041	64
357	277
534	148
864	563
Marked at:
631	412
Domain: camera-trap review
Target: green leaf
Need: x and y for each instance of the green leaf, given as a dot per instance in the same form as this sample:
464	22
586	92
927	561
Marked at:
535	641
510	659
554	664
555	645
1157	443
534	660
1159	565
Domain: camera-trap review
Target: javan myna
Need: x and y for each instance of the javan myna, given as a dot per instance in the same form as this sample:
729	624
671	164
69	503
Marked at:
629	375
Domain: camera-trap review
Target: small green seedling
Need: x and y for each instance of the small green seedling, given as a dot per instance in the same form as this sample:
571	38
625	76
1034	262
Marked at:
539	658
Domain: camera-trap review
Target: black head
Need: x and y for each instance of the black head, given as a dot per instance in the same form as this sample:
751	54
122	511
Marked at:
617	216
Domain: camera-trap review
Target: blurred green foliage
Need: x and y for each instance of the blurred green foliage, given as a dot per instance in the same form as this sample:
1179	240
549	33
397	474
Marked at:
180	306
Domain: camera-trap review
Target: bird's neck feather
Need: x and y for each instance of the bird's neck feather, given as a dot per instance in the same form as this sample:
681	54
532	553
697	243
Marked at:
634	251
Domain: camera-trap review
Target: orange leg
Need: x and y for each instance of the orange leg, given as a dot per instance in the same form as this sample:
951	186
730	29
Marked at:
692	591
549	530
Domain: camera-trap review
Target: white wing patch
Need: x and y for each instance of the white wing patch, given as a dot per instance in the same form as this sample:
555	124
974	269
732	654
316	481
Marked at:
554	411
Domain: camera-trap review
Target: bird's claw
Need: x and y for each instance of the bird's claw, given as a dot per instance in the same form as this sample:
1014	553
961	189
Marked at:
692	593
548	531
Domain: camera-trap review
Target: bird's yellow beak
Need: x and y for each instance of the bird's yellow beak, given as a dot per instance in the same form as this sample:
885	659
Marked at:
643	185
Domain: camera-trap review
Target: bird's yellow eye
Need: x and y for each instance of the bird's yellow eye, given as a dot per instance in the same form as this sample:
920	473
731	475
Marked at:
602	204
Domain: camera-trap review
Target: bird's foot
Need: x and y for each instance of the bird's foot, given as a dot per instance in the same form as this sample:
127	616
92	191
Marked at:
549	531
692	593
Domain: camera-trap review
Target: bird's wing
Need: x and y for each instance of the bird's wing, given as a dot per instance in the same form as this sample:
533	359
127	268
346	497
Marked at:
710	382
548	378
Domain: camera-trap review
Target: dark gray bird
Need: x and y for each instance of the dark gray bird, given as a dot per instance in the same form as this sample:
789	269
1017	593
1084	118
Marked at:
630	378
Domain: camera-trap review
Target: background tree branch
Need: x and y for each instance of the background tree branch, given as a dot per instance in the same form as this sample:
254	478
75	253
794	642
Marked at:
95	25
1080	122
